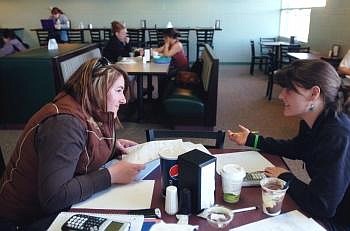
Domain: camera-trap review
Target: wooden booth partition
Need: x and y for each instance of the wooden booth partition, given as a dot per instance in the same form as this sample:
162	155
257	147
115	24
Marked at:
30	79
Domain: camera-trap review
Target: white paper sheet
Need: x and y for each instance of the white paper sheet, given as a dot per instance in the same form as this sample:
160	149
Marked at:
135	221
146	152
290	221
251	161
136	195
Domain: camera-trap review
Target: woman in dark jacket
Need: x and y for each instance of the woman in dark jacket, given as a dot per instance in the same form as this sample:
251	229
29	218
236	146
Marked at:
118	46
311	90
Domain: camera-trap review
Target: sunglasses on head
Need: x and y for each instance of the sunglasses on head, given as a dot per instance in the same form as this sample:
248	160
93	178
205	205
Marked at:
102	62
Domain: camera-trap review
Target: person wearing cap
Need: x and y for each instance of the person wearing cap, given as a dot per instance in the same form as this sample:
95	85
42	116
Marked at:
311	90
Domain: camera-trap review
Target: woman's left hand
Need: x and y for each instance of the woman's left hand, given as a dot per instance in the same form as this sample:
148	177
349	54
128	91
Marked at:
274	171
123	144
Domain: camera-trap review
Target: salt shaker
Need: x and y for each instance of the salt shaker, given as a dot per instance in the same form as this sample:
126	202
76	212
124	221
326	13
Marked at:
171	200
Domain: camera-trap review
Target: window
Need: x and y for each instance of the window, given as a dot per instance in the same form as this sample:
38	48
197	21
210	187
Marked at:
295	18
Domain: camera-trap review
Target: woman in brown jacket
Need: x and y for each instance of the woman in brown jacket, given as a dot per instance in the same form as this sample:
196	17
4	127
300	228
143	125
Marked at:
59	158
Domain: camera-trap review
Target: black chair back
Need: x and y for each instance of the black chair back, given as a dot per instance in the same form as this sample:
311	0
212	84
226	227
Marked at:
107	34
43	37
218	136
153	38
204	36
264	50
2	163
96	36
137	37
75	36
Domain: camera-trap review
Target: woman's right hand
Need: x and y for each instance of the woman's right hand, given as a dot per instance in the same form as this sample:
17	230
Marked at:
124	172
239	137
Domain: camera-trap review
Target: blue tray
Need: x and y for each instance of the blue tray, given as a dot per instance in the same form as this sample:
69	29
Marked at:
162	60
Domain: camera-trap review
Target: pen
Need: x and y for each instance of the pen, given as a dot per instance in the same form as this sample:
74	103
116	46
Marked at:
244	209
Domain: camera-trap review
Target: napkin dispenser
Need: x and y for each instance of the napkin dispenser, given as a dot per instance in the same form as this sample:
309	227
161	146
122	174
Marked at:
197	174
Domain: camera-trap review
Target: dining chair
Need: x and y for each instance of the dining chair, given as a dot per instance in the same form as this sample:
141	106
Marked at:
265	50
2	163
298	50
257	59
107	34
96	37
284	59
43	37
218	136
137	37
75	36
204	36
153	38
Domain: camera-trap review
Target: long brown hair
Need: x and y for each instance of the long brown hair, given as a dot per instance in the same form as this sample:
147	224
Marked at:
309	73
90	83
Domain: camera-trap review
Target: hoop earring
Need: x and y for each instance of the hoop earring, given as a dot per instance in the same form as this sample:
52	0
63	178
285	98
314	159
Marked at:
312	107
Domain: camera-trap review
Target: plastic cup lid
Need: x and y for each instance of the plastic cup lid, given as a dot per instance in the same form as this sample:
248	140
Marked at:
233	170
168	156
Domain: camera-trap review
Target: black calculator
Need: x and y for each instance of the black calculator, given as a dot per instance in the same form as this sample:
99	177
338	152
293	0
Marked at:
83	222
253	178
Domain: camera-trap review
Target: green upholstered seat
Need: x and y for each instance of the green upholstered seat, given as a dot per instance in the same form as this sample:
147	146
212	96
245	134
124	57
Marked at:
195	106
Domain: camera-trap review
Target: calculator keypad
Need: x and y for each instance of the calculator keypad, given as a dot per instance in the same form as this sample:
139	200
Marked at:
84	222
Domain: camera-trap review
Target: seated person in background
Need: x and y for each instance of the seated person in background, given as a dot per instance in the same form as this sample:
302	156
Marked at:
119	46
311	91
61	22
344	66
173	48
11	44
58	160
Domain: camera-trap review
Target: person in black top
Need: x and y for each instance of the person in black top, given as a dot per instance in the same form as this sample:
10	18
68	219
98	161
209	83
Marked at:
118	46
311	90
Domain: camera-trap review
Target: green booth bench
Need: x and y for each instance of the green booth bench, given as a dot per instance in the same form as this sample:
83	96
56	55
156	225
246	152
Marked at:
196	106
30	79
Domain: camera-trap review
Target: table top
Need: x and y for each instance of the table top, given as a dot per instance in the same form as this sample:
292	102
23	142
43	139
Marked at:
304	55
135	66
250	196
277	43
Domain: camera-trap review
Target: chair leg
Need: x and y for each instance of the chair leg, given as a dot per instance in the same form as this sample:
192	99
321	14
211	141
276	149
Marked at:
252	63
197	52
271	86
268	87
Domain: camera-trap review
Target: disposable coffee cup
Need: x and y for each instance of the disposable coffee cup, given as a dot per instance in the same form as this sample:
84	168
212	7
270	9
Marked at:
273	191
232	176
169	171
